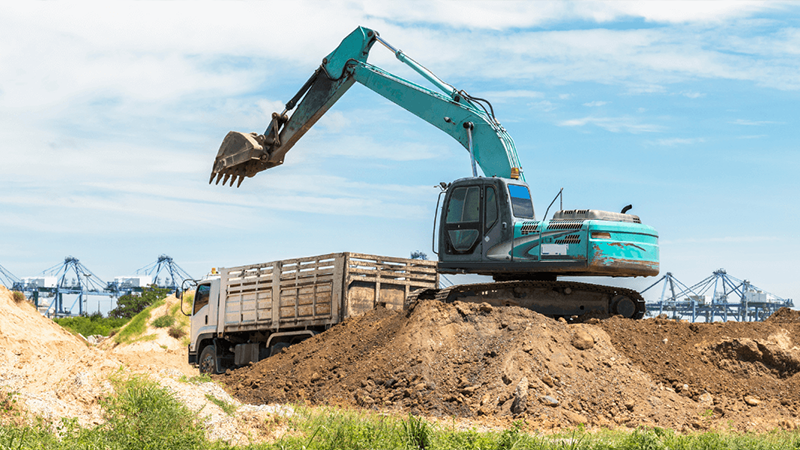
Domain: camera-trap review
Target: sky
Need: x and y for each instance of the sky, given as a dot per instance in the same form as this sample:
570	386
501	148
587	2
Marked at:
111	114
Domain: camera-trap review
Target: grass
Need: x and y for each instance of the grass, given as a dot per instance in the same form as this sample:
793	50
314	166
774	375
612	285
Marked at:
140	415
227	407
197	379
143	415
164	321
137	325
18	296
91	325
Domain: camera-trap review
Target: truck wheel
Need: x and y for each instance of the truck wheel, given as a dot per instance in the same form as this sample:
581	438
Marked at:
208	360
275	349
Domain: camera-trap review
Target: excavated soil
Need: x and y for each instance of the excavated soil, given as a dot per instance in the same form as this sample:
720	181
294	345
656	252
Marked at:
497	364
54	374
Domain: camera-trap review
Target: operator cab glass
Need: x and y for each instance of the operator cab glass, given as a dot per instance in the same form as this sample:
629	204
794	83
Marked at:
201	297
521	201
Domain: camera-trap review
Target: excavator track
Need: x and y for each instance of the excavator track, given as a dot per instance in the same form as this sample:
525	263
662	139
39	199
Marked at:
551	298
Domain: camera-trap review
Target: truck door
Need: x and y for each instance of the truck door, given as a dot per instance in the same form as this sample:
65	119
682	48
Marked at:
204	311
463	227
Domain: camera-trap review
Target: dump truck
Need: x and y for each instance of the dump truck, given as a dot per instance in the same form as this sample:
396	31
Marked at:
244	314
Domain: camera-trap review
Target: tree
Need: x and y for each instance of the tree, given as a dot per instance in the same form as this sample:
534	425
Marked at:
131	305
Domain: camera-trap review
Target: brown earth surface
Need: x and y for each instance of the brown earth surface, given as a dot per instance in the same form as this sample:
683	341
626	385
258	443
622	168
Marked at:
54	374
498	364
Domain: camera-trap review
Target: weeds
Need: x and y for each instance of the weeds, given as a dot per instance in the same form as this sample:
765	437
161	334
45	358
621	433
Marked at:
164	321
176	332
227	407
18	296
137	325
197	379
417	433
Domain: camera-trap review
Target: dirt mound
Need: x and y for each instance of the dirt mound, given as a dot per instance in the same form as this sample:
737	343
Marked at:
468	360
53	373
154	349
506	363
745	373
784	315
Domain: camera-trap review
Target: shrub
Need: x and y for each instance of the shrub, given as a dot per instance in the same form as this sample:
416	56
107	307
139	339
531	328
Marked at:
18	296
131	305
164	321
176	332
94	324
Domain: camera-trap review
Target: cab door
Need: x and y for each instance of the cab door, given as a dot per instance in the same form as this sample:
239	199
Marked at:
463	224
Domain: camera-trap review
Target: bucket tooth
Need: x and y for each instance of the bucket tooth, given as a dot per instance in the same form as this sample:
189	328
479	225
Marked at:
225	178
212	177
219	177
233	179
241	178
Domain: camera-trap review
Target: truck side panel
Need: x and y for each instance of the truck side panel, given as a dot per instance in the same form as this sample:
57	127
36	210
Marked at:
318	291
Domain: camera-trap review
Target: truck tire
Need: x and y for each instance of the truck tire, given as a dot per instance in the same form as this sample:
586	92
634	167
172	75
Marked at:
208	360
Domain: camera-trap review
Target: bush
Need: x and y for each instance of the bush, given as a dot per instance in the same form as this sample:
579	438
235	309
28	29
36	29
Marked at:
18	296
176	332
164	321
137	325
131	305
91	325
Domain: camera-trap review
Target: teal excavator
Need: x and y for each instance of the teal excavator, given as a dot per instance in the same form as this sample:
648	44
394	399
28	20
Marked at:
487	224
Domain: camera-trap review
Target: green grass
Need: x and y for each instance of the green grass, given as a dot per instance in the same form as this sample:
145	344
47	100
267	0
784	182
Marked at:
88	326
197	379
227	407
164	321
140	415
143	415
137	325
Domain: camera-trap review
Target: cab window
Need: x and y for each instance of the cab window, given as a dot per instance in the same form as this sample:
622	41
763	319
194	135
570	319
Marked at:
201	297
491	207
464	205
521	202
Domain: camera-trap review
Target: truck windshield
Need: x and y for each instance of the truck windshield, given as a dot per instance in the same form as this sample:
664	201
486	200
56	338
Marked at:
201	297
521	201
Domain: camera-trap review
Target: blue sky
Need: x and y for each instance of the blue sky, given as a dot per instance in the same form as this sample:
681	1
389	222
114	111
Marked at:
111	114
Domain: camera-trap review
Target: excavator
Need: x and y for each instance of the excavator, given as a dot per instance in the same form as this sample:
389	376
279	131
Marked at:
487	224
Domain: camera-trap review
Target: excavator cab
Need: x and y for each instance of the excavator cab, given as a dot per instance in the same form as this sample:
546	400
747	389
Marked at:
488	226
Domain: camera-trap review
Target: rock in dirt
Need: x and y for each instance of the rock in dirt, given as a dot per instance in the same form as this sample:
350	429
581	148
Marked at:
520	396
549	401
582	340
751	400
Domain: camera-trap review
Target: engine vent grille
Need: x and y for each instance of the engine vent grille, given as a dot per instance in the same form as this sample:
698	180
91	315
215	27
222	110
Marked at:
565	225
529	227
571	239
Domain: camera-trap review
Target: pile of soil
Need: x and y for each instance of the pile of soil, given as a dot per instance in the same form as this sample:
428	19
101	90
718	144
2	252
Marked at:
744	373
51	372
498	364
54	374
155	351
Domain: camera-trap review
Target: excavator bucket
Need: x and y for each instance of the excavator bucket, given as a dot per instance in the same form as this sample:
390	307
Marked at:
240	155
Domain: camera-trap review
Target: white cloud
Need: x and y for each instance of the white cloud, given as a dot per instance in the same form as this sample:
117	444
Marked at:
544	105
613	124
755	122
690	94
678	141
595	103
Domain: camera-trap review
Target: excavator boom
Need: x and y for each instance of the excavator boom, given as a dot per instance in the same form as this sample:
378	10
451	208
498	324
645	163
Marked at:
467	119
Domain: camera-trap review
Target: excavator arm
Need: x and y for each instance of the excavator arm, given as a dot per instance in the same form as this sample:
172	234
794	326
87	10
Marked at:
467	119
